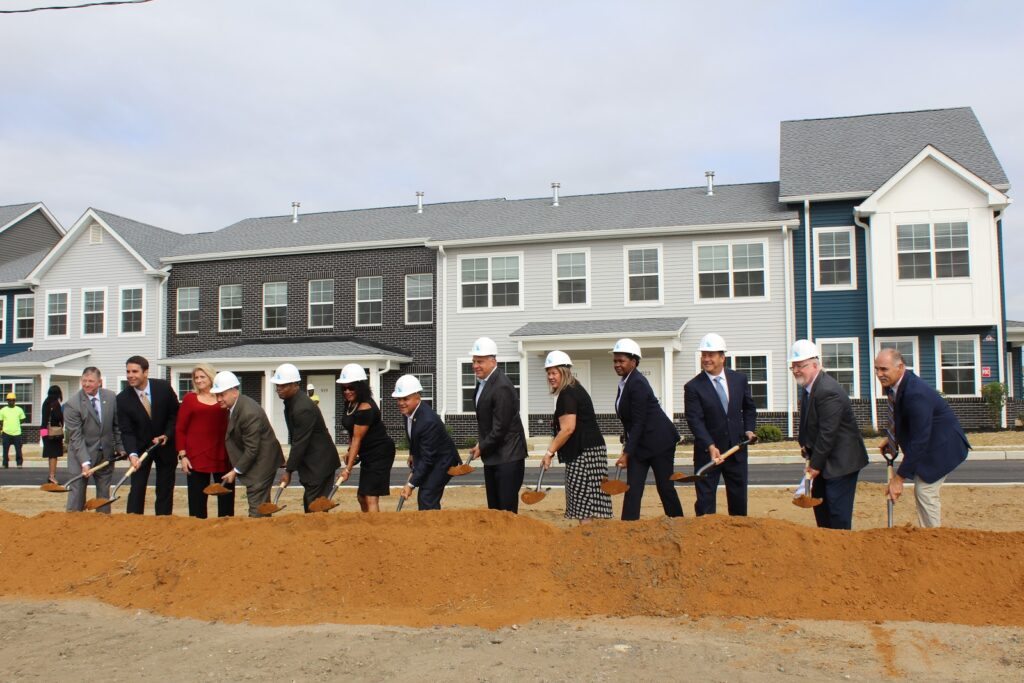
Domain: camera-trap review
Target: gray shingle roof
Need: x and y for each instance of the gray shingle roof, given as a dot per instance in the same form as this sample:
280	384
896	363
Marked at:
1015	323
151	242
9	213
616	326
491	218
41	356
12	271
859	153
294	351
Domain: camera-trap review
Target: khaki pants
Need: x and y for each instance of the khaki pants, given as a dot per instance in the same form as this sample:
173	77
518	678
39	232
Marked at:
929	507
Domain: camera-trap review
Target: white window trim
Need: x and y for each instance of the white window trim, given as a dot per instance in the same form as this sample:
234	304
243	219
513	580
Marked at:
120	312
554	278
310	304
913	340
732	299
178	309
490	282
977	362
221	308
856	358
433	290
355	295
931	220
936	250
106	310
626	248
179	376
3	318
32	298
459	362
263	309
432	399
67	314
121	379
729	364
818	287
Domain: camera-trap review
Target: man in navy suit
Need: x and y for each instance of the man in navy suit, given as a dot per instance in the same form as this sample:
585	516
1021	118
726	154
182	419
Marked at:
921	423
721	413
431	449
650	438
147	411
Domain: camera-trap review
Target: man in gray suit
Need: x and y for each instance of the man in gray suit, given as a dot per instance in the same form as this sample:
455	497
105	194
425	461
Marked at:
829	438
252	446
90	420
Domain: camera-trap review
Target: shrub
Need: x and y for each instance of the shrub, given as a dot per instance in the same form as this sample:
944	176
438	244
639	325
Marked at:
769	433
994	394
870	432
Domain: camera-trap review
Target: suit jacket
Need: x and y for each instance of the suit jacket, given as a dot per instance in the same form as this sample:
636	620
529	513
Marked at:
927	430
502	437
430	445
252	445
828	430
313	453
87	435
710	423
649	431
138	429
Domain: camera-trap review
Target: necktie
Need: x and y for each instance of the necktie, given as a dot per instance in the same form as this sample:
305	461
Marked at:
804	397
146	404
721	394
96	406
890	425
479	390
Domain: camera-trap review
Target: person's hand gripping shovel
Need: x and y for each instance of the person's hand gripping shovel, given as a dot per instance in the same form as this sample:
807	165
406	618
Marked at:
702	473
535	495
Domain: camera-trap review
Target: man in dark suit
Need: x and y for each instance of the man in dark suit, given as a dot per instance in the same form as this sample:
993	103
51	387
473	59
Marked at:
313	453
920	422
829	438
502	442
649	439
90	421
431	449
721	413
252	446
147	411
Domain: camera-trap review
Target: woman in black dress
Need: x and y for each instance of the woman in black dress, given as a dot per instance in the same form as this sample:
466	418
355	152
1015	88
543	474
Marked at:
367	438
52	421
578	442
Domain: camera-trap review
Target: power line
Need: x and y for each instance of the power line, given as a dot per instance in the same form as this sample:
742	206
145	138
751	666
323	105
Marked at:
88	4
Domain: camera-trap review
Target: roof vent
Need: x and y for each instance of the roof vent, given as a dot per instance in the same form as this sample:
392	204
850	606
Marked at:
419	201
710	175
295	212
554	193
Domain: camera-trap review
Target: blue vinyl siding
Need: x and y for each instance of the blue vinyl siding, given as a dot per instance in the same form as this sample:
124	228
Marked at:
800	279
990	355
1018	366
8	347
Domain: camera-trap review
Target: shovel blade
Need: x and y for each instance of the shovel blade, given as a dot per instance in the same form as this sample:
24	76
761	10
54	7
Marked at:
216	490
532	497
687	478
322	505
614	487
807	502
270	508
459	470
53	488
97	503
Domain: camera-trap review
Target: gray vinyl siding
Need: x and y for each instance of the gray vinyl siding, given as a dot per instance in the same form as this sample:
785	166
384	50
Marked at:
748	326
29	235
87	266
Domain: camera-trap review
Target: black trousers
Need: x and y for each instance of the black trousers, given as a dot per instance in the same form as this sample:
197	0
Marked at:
735	474
502	483
166	467
197	500
836	512
636	477
317	489
432	488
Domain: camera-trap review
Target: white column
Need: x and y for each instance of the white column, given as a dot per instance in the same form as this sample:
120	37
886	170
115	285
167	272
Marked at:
375	383
268	393
524	389
668	382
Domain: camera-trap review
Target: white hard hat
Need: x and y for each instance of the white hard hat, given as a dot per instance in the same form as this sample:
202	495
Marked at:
286	373
223	381
484	346
627	346
407	385
802	350
310	387
353	372
711	342
556	358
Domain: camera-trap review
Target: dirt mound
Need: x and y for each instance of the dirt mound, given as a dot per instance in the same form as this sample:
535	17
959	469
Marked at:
490	569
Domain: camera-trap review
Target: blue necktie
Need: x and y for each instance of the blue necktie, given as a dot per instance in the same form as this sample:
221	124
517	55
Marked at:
721	394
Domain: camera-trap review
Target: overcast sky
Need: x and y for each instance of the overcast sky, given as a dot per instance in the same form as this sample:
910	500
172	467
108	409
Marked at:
193	114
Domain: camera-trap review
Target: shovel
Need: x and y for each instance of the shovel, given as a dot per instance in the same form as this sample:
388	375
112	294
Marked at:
271	508
459	470
401	498
323	504
889	504
97	503
536	495
702	472
216	489
57	488
804	500
615	487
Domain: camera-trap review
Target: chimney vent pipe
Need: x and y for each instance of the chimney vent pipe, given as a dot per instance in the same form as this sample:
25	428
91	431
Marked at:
554	192
295	212
710	175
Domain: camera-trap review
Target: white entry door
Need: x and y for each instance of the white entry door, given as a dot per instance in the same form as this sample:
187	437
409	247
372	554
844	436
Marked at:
325	388
652	370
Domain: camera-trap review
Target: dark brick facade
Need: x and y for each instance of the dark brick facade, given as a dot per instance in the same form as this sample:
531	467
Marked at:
417	341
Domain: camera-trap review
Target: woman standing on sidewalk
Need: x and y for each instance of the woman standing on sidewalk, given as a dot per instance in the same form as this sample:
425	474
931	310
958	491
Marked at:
199	438
51	429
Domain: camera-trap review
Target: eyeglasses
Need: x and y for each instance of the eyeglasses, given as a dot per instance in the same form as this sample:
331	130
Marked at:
348	387
800	366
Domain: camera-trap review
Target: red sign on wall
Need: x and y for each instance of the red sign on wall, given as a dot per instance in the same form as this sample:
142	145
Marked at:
986	371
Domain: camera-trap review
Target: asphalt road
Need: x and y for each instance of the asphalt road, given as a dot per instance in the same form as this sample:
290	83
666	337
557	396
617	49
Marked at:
971	472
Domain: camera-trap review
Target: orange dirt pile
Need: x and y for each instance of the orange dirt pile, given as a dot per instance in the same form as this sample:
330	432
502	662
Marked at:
490	569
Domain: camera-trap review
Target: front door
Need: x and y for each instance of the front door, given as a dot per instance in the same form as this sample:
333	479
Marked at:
325	388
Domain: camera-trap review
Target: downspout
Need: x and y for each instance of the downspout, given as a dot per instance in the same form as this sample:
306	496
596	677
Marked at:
161	324
788	280
807	266
869	285
442	307
1001	355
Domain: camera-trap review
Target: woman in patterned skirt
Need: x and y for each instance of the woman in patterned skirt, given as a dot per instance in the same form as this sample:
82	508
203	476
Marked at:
578	443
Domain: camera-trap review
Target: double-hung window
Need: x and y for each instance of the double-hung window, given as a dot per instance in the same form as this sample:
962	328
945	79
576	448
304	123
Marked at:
24	317
490	281
57	314
907	346
836	258
958	365
731	271
572	278
230	308
369	301
469	383
188	310
839	359
94	312
275	305
755	367
643	275
321	303
131	310
419	299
